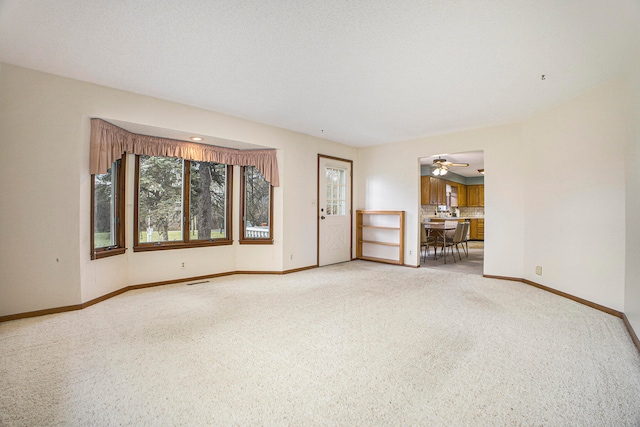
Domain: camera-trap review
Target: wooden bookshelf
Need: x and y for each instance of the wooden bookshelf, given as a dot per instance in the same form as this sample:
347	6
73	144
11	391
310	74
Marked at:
380	236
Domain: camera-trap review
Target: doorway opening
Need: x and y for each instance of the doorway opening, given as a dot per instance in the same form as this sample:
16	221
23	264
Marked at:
452	191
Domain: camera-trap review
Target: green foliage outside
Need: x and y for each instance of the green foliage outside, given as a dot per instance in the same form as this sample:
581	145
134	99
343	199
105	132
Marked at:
103	205
177	236
101	240
160	195
257	193
161	199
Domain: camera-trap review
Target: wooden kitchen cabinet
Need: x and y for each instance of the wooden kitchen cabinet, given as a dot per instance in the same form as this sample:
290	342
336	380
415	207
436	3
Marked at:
462	195
437	191
424	190
476	229
475	195
433	191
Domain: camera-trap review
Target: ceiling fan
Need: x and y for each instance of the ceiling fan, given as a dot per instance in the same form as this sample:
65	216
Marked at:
441	166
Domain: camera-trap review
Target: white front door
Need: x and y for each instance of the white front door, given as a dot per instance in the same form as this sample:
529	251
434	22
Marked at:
334	211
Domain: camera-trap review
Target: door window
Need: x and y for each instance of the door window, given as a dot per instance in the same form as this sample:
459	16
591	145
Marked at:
336	189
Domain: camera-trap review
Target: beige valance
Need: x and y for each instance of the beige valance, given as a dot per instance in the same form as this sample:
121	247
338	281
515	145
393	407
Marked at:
109	142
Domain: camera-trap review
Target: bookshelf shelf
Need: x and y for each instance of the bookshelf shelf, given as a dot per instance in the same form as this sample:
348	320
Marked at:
380	236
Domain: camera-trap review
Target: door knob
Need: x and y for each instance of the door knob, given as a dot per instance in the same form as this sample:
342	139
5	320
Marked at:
322	217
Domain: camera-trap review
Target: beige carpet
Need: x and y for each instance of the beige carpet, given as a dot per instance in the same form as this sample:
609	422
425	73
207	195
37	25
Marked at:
353	344
471	263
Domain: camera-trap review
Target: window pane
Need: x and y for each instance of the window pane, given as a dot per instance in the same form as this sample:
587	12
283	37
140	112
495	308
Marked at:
208	201
257	205
104	209
160	199
336	191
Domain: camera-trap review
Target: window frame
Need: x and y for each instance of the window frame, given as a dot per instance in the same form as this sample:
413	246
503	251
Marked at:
243	240
119	214
186	242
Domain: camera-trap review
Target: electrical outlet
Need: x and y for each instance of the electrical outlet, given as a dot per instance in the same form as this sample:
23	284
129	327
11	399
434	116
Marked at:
182	264
410	252
539	270
290	256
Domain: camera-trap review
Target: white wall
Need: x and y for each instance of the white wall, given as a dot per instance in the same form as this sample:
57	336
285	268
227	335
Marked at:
45	188
39	187
632	163
574	198
544	190
390	179
543	184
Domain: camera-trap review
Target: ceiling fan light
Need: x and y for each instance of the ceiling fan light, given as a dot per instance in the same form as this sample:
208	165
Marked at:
443	171
436	172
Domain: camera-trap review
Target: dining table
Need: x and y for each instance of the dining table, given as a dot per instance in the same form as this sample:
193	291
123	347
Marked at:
439	229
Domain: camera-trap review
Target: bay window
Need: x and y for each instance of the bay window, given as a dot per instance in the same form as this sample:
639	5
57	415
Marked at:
181	203
107	211
182	192
256	199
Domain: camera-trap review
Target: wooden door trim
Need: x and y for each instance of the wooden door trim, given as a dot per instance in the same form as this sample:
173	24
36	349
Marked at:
324	156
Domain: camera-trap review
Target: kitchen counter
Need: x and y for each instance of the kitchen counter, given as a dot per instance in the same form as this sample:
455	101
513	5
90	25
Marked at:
452	218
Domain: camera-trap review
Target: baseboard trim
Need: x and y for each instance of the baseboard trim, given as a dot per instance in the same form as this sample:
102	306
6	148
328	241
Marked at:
297	270
560	293
513	279
632	333
575	298
75	307
38	313
583	301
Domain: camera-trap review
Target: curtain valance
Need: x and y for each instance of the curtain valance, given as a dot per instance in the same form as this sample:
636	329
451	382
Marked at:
109	142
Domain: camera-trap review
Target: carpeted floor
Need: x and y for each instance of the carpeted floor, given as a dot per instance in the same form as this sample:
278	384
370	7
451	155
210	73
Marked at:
358	343
473	263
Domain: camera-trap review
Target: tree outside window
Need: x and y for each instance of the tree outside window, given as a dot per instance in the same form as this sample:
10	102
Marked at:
107	212
257	207
208	201
160	199
181	203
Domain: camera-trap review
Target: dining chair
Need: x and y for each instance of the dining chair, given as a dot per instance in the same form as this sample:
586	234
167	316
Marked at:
455	240
465	238
450	224
425	241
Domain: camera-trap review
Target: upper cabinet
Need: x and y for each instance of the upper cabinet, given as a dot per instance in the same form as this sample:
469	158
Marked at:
437	191
433	191
425	189
462	195
475	195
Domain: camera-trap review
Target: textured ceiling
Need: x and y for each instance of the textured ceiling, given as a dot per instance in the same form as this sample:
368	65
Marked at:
360	72
474	158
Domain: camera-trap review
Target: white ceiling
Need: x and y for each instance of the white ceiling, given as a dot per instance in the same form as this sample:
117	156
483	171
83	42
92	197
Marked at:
360	72
474	158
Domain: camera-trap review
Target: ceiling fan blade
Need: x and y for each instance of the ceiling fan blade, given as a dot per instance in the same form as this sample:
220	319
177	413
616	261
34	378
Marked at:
458	164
